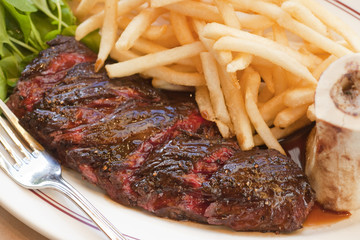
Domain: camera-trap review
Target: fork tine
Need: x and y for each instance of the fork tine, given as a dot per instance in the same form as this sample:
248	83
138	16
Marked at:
5	164
15	139
22	132
11	150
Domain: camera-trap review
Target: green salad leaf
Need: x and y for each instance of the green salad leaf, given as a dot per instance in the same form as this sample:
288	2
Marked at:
25	27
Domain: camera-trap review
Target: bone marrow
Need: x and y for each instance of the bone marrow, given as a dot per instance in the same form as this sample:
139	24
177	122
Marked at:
333	152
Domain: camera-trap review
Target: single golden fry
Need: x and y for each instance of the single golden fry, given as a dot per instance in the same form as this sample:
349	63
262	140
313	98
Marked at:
235	103
203	101
228	14
213	83
300	96
311	113
250	81
108	32
146	62
259	124
289	115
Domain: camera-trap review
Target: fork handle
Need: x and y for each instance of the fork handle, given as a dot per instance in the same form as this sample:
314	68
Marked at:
109	229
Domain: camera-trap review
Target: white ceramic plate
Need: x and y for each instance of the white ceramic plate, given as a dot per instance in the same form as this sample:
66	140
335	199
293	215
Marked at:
54	216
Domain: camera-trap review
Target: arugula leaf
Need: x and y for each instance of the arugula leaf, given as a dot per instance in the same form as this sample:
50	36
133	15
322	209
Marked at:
23	20
3	85
4	37
22	5
43	6
25	26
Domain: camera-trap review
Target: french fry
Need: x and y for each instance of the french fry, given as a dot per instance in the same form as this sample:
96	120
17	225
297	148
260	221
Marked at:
108	31
171	75
277	57
197	10
272	107
305	16
184	34
216	31
181	28
321	67
289	115
228	14
94	22
254	21
203	100
161	3
279	80
137	27
284	19
162	84
156	32
280	35
334	23
310	113
153	32
240	62
235	103
175	77
259	124
85	6
264	95
146	47
280	133
250	81
146	62
300	96
213	84
266	75
264	8
312	36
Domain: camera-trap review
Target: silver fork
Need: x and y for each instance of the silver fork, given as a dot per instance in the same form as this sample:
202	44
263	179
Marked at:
29	165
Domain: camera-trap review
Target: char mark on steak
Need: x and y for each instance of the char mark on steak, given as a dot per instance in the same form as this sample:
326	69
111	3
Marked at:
147	150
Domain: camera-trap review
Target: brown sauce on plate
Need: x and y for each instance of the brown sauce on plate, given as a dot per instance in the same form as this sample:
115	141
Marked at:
295	146
319	216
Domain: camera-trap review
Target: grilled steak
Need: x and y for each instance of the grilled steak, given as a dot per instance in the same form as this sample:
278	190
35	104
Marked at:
153	151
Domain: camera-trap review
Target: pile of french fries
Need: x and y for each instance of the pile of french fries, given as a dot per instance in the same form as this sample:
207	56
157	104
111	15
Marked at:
254	64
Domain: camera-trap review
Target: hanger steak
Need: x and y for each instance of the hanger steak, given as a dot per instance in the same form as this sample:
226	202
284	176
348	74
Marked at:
151	149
